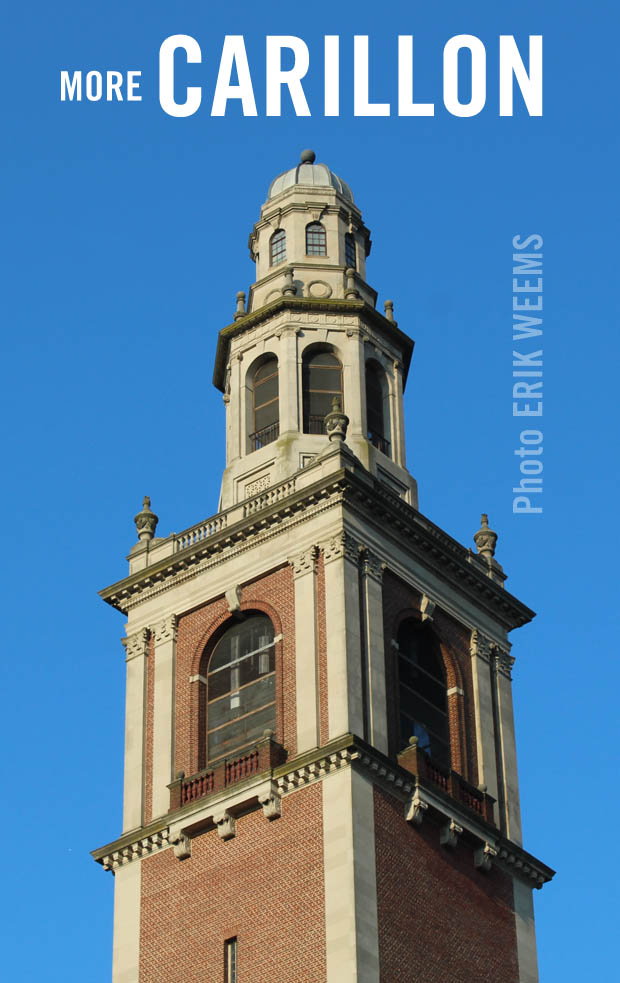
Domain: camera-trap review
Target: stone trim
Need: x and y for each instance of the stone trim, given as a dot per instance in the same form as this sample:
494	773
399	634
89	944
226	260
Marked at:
266	792
371	501
136	645
166	630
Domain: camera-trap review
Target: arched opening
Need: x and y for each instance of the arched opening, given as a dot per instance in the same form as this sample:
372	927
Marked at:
350	255
277	247
316	240
377	426
241	687
422	694
265	417
321	382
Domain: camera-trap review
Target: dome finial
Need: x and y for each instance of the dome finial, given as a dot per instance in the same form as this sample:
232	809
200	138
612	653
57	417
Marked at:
308	156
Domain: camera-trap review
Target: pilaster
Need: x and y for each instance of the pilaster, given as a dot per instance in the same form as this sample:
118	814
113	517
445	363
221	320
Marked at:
136	651
507	749
526	932
481	655
342	616
165	634
126	950
287	378
372	594
351	923
306	664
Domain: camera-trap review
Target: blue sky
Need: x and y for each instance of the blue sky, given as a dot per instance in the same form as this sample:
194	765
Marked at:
124	243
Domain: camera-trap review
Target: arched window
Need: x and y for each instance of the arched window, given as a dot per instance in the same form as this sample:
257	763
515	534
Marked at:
422	691
375	415
350	257
316	242
277	247
321	380
241	687
265	419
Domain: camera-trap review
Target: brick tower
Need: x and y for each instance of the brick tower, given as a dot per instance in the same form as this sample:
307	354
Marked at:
320	767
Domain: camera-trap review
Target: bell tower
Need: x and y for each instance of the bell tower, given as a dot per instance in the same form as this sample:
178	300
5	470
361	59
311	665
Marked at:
320	763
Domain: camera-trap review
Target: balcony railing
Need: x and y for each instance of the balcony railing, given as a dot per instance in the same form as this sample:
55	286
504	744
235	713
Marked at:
434	774
260	438
379	441
261	757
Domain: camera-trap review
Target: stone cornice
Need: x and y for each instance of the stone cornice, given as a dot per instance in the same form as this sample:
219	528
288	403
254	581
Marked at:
420	803
369	499
312	305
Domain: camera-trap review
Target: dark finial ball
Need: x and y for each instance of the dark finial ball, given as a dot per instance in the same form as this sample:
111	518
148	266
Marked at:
308	156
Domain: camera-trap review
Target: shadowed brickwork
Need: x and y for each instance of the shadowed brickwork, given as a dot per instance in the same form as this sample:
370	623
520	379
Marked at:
440	919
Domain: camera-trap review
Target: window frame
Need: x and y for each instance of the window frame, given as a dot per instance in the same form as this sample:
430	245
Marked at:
429	639
277	255
315	423
318	247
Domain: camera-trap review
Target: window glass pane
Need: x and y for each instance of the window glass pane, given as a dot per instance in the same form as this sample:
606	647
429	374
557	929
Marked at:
251	697
266	369
422	691
239	734
266	390
431	689
324	379
324	358
315	240
319	404
266	416
278	247
349	251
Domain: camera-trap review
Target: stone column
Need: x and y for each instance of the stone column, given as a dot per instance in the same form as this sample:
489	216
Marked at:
289	409
163	713
397	415
351	923
136	649
126	950
354	381
507	748
306	665
236	409
481	651
372	592
342	616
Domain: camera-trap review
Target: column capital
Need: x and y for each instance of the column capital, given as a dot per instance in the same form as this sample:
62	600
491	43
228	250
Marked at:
373	565
166	630
136	644
489	651
304	562
341	545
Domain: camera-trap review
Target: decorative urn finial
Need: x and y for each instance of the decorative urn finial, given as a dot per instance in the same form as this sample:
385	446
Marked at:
336	422
485	539
146	521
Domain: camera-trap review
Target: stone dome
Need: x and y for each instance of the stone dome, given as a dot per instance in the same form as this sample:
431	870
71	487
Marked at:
309	174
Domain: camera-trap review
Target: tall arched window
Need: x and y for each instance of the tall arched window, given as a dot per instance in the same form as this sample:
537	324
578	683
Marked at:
241	687
422	691
321	380
350	257
316	241
277	247
375	402
265	418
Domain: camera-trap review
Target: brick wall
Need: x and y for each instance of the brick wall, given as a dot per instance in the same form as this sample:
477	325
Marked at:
264	886
440	919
